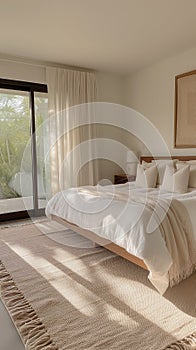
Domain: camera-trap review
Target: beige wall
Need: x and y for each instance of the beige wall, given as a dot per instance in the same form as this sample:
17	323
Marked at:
111	89
21	71
151	92
110	86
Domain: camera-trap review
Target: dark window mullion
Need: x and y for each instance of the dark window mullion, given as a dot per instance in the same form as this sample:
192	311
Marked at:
22	85
31	87
34	152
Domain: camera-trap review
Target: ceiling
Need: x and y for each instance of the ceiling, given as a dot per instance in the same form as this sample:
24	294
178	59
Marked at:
109	35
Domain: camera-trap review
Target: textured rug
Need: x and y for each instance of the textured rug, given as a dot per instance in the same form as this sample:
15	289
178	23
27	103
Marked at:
67	298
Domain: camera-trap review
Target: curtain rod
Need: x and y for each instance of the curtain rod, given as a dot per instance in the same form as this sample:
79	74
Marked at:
40	63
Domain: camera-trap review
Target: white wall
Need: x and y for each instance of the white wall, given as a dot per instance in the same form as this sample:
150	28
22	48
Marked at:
21	71
110	86
151	92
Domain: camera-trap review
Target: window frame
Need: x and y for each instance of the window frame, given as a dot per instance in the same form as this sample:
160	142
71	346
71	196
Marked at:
30	87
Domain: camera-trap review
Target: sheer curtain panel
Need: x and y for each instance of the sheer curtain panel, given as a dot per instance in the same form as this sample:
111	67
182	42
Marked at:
71	128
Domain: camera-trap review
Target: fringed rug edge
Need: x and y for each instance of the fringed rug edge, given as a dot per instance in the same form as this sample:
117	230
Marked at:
31	329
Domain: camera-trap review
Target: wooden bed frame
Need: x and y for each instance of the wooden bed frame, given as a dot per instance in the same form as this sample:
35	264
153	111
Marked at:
99	241
181	158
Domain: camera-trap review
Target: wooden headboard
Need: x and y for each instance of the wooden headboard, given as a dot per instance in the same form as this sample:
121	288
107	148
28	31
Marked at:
182	158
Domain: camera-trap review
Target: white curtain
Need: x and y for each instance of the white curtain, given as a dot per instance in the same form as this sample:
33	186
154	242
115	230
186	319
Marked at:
70	96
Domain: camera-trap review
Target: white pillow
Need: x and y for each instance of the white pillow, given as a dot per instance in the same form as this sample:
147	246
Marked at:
191	189
146	178
193	161
161	166
192	176
176	181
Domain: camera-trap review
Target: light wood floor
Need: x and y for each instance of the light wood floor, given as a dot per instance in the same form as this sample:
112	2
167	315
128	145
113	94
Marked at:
10	339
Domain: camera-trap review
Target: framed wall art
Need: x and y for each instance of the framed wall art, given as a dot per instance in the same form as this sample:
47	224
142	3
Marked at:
185	110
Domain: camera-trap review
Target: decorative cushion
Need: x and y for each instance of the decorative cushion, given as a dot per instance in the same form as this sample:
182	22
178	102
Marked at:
176	181
192	176
161	166
146	177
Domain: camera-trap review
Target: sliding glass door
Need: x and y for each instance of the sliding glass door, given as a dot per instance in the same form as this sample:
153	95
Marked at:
23	109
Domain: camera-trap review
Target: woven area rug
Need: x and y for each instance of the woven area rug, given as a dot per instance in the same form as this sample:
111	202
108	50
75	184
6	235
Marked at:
68	298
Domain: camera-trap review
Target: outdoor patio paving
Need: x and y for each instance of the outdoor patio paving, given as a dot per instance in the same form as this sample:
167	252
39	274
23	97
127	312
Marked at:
19	204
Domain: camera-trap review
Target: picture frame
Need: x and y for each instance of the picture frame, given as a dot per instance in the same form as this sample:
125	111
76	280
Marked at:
185	110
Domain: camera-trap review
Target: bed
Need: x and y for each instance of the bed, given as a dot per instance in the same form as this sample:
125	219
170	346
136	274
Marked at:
120	222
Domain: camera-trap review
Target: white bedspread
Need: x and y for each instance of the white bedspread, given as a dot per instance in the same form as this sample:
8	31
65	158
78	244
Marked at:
123	222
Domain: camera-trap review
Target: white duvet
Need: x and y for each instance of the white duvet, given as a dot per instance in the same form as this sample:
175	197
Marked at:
125	223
